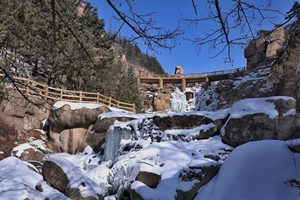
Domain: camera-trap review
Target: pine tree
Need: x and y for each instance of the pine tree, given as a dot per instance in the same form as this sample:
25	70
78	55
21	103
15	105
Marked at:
128	90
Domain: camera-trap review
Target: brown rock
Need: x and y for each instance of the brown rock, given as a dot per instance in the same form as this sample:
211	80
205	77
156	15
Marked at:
70	139
31	154
93	139
54	175
35	133
259	126
24	114
148	178
162	102
65	181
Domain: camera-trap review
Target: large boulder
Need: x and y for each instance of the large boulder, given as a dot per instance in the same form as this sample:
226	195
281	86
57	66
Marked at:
257	170
68	179
261	118
68	127
68	118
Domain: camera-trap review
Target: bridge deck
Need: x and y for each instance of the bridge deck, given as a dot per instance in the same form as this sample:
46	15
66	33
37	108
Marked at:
187	78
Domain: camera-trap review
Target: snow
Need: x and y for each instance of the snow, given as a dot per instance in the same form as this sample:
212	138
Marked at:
290	112
264	170
256	170
17	181
118	113
20	149
254	105
75	106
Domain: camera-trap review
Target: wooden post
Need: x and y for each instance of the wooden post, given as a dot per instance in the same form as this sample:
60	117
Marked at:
98	97
27	86
109	101
61	94
161	83
206	83
46	92
183	85
80	96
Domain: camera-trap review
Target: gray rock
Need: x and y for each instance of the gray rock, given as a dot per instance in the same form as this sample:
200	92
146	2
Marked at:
260	126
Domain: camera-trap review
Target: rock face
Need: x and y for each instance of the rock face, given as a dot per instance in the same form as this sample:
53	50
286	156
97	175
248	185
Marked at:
264	47
24	114
279	122
179	70
208	126
250	83
69	127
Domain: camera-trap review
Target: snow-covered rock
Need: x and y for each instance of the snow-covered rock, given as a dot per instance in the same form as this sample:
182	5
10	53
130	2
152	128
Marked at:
257	170
261	118
68	179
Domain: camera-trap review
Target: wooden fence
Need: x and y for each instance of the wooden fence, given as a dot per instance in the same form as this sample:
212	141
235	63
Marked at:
32	87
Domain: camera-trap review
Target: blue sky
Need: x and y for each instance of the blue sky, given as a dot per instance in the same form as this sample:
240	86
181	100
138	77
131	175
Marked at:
186	54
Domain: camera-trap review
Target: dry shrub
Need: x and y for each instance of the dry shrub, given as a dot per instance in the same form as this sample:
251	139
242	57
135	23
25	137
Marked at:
8	131
10	136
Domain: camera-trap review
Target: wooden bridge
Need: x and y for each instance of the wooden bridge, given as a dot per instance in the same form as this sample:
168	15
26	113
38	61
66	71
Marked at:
184	79
28	86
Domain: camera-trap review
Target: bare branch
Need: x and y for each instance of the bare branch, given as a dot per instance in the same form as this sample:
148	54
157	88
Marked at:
144	28
195	7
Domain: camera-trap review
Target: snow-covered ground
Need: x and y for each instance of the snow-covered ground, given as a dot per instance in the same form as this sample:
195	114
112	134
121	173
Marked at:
266	170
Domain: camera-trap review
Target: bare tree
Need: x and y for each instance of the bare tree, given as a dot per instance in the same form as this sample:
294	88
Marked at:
144	26
235	23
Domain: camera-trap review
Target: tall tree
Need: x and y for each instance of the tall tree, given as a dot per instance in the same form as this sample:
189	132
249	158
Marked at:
128	90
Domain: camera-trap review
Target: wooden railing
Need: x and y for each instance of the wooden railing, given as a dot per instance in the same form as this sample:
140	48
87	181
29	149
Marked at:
29	86
202	74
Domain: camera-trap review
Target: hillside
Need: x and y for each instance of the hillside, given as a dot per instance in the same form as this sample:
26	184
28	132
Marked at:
72	52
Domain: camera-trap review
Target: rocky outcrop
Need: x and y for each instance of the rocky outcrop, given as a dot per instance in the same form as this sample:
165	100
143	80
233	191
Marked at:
25	113
265	47
68	128
208	126
179	70
277	122
250	83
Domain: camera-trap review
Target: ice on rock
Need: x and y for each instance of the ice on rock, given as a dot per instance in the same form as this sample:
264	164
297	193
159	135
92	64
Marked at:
179	103
114	135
